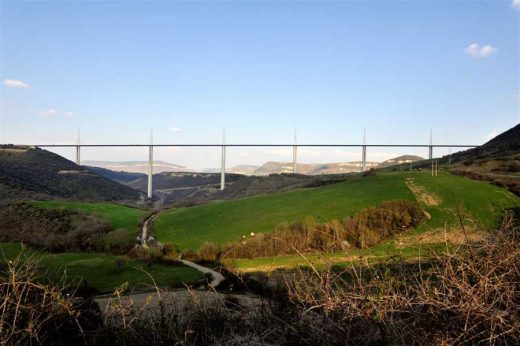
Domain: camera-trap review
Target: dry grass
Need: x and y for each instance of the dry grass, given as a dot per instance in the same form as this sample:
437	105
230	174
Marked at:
470	296
422	195
466	296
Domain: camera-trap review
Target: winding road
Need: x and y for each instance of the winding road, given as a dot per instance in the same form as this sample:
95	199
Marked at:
216	277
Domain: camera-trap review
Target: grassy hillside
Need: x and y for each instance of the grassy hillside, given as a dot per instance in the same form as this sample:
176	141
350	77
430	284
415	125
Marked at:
227	221
100	270
36	173
120	216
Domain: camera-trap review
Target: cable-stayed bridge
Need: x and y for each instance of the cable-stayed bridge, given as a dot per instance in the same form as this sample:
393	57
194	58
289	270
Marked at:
363	146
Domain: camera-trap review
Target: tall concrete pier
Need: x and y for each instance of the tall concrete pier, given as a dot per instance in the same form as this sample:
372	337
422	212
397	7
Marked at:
150	165
364	152
295	152
78	149
223	162
430	151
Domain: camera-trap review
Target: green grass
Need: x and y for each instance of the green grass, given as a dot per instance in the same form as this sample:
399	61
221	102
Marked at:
227	221
375	254
483	203
120	216
98	270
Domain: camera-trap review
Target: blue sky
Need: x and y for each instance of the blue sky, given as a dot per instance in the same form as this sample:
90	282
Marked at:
259	69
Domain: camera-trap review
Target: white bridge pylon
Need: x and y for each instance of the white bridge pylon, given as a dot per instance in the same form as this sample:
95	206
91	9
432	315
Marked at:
78	149
223	162
150	166
364	146
295	152
364	152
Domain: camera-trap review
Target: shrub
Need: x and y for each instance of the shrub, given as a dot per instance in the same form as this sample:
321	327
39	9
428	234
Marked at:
149	254
120	241
41	314
370	172
514	167
52	229
368	227
170	250
208	252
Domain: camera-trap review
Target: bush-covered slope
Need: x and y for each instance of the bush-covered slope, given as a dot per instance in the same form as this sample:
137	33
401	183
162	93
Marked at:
33	172
227	221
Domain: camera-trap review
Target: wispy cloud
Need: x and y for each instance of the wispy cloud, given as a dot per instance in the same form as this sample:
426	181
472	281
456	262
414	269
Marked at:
174	129
49	112
14	83
477	51
515	4
52	112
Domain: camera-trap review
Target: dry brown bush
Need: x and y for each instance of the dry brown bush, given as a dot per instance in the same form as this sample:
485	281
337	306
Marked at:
32	312
469	296
368	227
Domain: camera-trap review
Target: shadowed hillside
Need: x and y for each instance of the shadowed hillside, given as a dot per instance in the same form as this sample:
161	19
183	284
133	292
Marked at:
33	172
506	144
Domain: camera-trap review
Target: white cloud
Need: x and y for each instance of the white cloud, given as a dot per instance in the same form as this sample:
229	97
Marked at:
49	112
515	4
69	114
174	129
13	83
476	51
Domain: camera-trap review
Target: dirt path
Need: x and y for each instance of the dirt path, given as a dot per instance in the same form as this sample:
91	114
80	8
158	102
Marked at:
422	194
216	277
176	300
144	232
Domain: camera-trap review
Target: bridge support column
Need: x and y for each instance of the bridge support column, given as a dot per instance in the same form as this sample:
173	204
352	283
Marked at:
78	155
223	162
150	166
78	150
430	151
295	153
364	152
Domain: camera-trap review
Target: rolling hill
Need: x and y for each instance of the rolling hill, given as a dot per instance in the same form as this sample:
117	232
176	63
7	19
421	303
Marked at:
36	173
506	144
137	166
400	160
497	161
227	221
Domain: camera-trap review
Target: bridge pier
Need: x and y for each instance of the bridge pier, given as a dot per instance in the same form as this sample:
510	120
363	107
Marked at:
430	151
223	162
78	150
294	153
364	152
150	166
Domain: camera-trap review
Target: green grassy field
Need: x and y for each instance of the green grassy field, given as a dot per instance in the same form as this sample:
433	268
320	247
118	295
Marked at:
222	222
227	221
99	270
375	254
120	216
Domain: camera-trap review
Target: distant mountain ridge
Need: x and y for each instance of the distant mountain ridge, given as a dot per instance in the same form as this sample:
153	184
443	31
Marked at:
273	167
400	160
137	166
270	167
